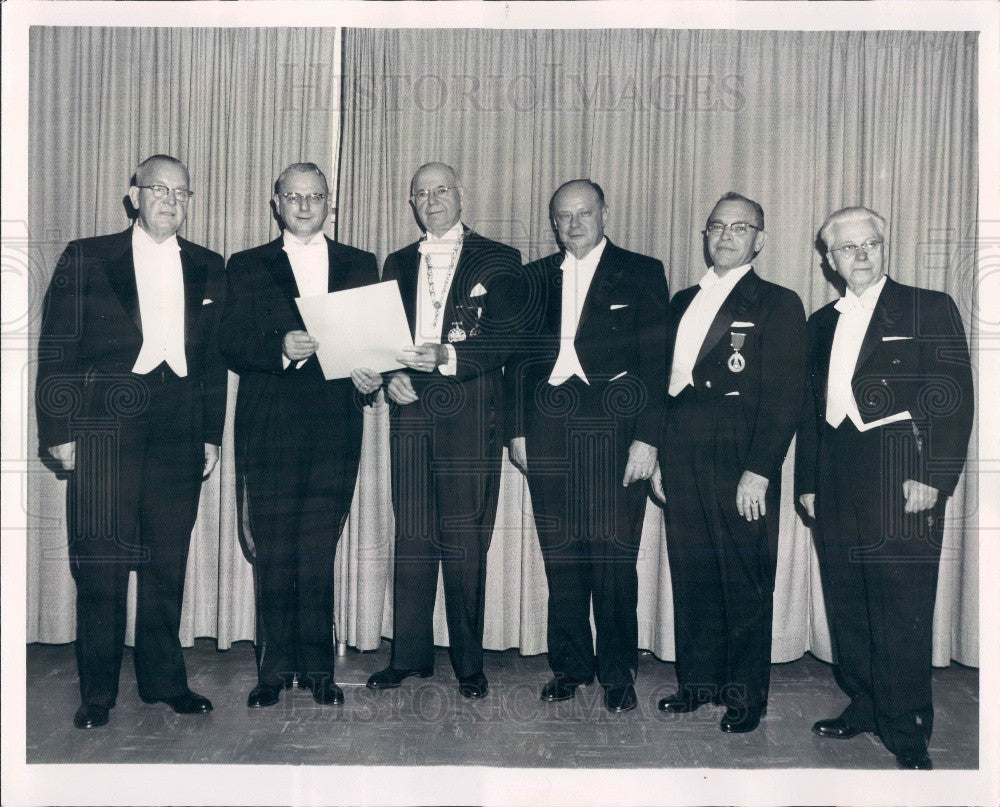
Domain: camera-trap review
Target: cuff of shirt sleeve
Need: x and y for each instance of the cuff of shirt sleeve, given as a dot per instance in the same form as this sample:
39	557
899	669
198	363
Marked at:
451	366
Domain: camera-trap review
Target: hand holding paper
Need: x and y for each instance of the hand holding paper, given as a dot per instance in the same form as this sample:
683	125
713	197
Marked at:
424	358
357	328
298	345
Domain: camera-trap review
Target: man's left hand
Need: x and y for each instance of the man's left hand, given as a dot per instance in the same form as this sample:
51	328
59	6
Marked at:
211	459
750	492
641	462
365	380
919	497
424	358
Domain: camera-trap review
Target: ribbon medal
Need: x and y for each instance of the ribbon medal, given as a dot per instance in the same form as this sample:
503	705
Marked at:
736	361
456	334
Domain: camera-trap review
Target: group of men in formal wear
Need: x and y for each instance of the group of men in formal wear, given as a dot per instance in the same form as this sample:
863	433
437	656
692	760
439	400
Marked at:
601	386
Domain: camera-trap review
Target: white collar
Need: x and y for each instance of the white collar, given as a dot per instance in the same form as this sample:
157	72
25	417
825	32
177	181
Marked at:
293	243
728	281
867	299
591	259
144	241
450	237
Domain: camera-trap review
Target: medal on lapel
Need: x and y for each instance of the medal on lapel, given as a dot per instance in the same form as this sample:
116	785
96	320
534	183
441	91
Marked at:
736	361
456	334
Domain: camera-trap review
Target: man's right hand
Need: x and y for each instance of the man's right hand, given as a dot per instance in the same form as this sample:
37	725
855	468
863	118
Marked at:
808	502
65	454
298	345
400	389
518	454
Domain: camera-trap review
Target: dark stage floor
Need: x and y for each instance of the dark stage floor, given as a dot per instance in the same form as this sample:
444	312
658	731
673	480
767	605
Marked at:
428	722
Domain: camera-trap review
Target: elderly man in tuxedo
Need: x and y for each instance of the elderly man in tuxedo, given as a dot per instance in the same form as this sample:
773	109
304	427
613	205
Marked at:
131	398
883	439
461	294
298	436
736	350
586	401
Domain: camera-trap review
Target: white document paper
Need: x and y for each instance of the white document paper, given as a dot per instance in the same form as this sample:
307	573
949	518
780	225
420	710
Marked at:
363	327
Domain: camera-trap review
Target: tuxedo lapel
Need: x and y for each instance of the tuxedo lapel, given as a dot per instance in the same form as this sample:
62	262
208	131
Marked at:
339	267
409	268
735	307
887	311
281	268
826	327
553	283
463	282
194	291
119	268
605	279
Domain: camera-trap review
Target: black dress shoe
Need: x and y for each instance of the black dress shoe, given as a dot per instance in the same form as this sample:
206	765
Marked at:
187	703
742	720
90	717
620	699
390	677
561	688
836	728
918	761
264	695
326	692
681	703
473	686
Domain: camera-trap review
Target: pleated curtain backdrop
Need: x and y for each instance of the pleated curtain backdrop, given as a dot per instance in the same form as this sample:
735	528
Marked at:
666	121
237	106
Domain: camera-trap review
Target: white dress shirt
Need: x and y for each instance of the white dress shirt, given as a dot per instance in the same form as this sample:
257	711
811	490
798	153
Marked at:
577	275
697	319
159	281
439	254
311	267
852	325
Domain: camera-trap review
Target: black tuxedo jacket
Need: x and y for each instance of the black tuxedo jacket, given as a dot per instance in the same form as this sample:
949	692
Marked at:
92	334
769	388
619	336
260	310
914	358
490	321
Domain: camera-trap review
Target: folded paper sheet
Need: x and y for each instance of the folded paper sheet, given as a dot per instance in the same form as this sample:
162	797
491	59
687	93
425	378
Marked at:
363	327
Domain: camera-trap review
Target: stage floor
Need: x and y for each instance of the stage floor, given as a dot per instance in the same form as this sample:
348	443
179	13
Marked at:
427	722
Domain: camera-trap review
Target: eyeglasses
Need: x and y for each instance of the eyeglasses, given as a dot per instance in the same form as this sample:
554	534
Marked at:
868	246
162	192
298	198
736	228
564	218
437	193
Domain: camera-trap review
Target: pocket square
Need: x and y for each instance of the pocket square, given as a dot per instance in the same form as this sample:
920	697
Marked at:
741	325
895	338
732	393
616	377
207	301
617	306
478	290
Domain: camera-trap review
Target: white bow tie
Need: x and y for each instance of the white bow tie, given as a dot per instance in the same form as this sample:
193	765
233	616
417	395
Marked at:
293	245
850	302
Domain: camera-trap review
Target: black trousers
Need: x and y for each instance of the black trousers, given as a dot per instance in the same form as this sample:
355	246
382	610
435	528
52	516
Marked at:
132	503
722	567
299	497
879	568
446	451
588	525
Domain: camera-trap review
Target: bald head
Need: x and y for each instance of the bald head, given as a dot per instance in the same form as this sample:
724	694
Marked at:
436	197
579	215
152	166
